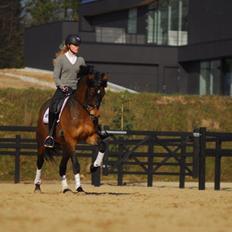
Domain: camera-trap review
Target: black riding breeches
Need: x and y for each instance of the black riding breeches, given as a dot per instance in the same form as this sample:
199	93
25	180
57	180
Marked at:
55	107
57	101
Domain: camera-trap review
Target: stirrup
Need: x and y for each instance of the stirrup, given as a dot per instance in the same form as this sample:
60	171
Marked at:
49	142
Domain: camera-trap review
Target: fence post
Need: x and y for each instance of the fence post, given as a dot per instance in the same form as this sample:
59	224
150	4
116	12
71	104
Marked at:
17	159
150	163
217	170
95	176
202	158
196	151
182	163
120	165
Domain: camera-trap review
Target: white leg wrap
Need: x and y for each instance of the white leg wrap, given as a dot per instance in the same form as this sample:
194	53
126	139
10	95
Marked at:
38	177
64	183
77	181
99	159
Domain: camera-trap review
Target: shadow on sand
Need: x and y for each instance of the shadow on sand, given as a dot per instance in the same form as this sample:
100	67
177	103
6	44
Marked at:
102	193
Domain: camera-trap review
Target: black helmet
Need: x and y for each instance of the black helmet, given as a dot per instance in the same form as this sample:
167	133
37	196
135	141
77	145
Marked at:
73	39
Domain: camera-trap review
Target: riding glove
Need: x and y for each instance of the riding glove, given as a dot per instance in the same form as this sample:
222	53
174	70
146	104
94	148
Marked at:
66	90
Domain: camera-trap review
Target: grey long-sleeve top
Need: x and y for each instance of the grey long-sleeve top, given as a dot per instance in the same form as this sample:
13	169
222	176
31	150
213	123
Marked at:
65	73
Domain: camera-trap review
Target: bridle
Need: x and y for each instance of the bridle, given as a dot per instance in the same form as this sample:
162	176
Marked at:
89	108
95	89
94	92
93	107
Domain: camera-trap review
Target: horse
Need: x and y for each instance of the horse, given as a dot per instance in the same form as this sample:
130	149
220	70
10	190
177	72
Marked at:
77	122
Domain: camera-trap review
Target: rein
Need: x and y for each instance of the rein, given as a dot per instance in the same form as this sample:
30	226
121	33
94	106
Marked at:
88	109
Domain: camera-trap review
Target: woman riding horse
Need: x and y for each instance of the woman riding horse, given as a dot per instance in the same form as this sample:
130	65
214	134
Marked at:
78	121
66	68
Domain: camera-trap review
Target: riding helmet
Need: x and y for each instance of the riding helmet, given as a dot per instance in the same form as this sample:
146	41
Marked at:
73	39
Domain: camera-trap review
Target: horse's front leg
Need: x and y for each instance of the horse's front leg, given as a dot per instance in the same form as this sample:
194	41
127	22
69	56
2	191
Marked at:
62	171
98	161
76	172
69	148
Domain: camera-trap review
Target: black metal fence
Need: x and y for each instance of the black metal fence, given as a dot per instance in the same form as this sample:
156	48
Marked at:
211	145
148	153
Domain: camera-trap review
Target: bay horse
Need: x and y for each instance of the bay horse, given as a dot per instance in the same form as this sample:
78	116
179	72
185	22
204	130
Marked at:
78	122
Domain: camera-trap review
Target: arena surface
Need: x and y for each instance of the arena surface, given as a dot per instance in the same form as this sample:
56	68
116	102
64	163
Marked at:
113	208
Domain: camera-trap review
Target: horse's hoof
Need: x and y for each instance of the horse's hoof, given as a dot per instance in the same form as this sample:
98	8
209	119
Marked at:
80	190
93	168
37	188
67	190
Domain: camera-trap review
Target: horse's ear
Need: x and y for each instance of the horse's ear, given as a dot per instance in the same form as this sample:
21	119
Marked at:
104	76
104	79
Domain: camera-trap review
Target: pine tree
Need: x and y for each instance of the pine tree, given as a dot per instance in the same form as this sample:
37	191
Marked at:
11	34
45	11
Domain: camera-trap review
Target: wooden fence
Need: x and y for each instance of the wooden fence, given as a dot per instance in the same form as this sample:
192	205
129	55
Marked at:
148	153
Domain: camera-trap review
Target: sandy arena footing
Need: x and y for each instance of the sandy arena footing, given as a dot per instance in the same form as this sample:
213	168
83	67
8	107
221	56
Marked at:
163	207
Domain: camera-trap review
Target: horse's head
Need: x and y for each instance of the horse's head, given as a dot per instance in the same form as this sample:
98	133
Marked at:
96	83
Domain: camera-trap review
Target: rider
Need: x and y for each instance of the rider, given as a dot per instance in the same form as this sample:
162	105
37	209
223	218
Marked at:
66	68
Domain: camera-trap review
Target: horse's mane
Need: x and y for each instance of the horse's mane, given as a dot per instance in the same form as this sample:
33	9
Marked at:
85	70
96	76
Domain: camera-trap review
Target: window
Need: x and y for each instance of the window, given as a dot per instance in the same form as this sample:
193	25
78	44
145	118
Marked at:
110	35
132	21
151	32
216	77
167	22
210	73
227	76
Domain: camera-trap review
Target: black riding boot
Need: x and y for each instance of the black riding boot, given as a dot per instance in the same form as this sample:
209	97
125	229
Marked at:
49	141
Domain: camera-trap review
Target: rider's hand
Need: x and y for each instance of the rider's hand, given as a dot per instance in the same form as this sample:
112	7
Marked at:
67	90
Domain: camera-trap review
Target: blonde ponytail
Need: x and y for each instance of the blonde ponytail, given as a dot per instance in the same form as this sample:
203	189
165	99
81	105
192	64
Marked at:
61	52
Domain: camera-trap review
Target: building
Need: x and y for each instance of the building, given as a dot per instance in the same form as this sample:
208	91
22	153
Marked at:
165	46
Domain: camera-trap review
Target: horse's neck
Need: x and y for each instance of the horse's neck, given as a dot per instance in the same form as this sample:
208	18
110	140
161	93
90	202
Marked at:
81	92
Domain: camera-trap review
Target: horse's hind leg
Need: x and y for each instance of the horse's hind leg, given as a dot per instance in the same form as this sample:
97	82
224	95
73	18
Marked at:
76	172
62	171
39	164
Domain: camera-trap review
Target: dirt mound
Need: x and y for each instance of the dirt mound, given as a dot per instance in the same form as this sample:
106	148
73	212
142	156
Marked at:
25	78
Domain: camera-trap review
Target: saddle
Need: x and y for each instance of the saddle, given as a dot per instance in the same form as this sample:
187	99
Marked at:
59	109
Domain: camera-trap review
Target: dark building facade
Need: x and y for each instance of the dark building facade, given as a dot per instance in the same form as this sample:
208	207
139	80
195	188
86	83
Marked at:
42	42
165	46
